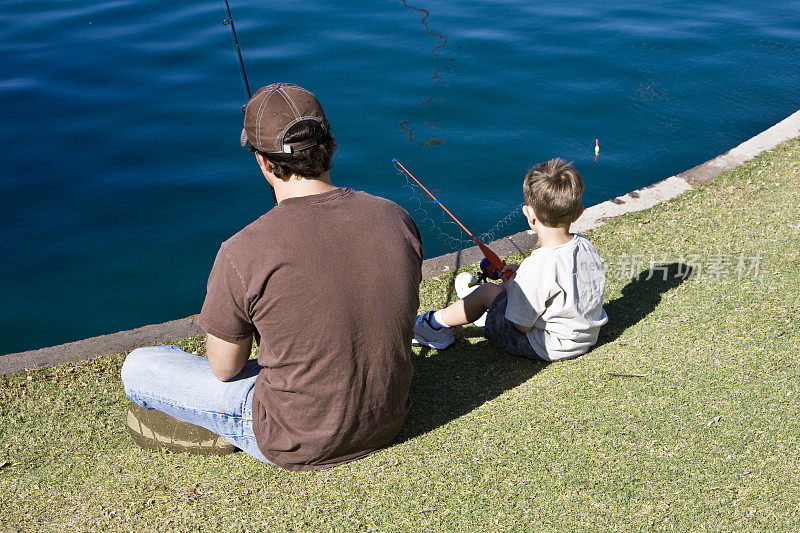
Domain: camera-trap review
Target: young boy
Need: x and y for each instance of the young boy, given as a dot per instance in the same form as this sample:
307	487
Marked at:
551	306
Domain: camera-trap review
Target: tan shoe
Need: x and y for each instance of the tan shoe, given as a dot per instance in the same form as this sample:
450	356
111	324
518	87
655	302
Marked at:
154	430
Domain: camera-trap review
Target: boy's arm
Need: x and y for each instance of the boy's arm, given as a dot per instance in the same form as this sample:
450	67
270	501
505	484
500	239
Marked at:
507	285
526	303
522	329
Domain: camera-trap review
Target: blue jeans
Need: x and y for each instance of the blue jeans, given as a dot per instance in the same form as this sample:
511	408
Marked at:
182	385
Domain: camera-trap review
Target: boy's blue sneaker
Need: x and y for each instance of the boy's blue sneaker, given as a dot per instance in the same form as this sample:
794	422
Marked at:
426	335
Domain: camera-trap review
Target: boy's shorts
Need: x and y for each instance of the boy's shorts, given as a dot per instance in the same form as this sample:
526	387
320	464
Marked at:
503	334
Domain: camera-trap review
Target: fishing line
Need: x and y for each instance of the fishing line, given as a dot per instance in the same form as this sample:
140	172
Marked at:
438	77
498	230
448	230
424	22
586	153
492	265
442	227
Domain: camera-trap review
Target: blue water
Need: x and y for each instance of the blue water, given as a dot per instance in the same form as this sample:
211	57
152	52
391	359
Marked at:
121	166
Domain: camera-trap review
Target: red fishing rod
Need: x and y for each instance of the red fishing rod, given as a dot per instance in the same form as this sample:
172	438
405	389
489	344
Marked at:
491	265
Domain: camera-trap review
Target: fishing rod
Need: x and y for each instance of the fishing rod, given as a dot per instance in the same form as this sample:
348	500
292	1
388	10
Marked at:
229	22
491	265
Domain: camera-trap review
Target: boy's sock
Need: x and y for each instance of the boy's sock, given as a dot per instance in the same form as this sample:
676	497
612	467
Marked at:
436	320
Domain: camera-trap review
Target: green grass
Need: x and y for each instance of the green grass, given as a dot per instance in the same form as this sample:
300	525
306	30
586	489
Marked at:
706	439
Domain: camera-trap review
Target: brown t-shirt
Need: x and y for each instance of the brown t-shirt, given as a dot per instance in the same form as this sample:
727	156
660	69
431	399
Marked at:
329	283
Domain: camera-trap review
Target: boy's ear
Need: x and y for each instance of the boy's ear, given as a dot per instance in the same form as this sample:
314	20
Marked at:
579	213
529	214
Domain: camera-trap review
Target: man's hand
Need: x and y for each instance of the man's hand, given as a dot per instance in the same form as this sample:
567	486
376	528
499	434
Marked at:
227	358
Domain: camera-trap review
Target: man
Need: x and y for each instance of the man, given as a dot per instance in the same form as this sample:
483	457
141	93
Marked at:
327	282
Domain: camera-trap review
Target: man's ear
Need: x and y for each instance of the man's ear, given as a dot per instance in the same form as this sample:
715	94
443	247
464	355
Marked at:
263	162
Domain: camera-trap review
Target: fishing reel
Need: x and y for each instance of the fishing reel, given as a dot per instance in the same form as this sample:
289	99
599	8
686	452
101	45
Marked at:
488	271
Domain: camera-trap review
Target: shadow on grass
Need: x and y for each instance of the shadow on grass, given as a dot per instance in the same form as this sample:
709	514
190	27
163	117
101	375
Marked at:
451	383
640	297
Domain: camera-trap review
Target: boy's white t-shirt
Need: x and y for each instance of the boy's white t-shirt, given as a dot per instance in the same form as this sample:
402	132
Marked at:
559	291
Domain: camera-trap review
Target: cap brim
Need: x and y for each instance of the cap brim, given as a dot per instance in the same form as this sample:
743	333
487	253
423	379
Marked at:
243	137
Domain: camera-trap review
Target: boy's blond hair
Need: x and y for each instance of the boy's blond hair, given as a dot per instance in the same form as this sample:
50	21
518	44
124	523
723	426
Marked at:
554	189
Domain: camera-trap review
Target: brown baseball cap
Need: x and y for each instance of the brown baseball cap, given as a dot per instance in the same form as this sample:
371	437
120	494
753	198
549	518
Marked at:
273	110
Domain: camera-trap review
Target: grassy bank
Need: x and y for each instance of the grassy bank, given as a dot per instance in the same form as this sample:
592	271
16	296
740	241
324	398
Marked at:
684	417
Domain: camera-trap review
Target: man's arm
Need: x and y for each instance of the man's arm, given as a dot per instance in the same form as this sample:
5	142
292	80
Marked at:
227	358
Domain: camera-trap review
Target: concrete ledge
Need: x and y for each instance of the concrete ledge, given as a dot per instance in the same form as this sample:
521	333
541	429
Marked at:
784	130
520	242
122	341
593	217
637	200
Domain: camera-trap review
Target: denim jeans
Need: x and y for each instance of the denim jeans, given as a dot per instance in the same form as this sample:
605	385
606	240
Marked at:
182	385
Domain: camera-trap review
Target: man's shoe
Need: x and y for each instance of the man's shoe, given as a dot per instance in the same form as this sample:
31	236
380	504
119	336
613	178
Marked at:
154	430
463	289
426	335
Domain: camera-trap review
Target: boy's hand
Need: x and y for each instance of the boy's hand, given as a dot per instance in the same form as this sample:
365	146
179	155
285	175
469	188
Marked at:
507	279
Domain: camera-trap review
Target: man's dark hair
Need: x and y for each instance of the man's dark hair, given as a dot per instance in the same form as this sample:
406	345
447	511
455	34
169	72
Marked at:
309	163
